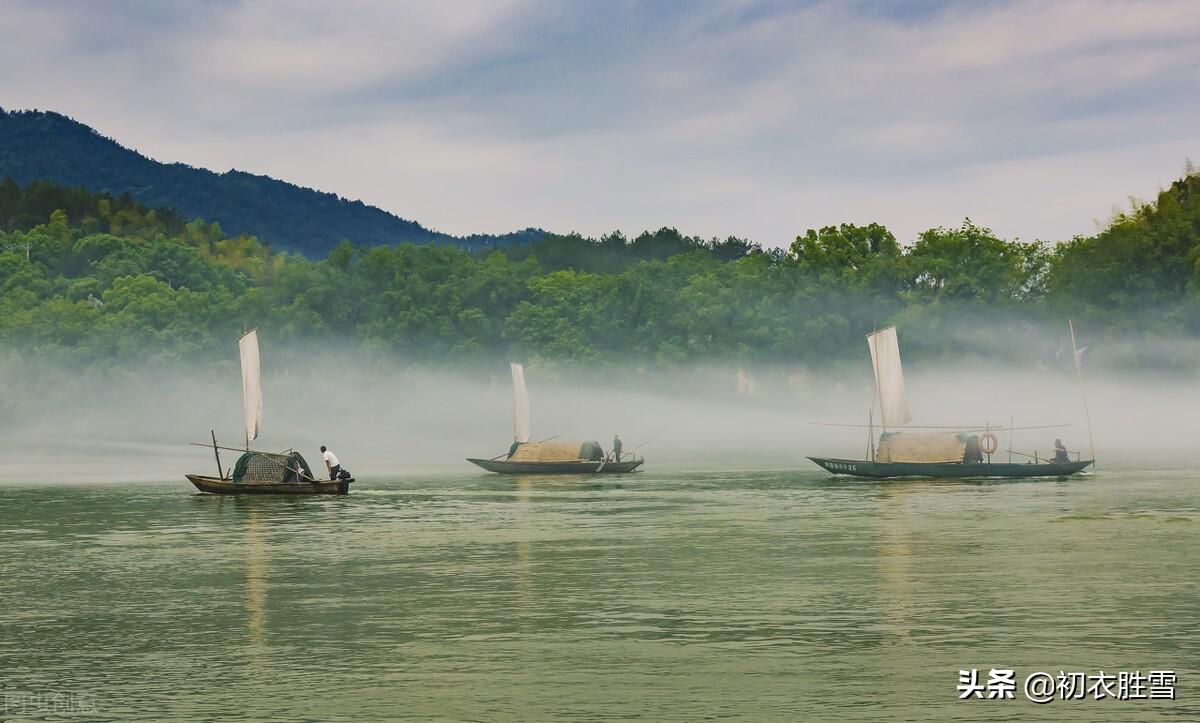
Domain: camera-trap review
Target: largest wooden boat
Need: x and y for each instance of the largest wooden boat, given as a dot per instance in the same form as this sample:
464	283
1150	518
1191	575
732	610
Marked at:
946	454
545	457
262	473
949	470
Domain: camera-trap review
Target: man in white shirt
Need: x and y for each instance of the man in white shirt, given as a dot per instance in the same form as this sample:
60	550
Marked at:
331	463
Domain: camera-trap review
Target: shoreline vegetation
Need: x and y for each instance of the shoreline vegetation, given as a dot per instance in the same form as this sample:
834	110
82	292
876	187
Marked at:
107	285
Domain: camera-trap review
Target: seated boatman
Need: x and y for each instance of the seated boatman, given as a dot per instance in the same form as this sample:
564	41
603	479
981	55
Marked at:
331	463
1060	452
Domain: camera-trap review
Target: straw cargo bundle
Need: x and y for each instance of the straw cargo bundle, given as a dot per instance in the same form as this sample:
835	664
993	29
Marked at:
922	447
547	452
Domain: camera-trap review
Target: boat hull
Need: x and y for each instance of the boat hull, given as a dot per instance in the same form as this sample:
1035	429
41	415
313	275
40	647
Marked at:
567	467
949	470
229	487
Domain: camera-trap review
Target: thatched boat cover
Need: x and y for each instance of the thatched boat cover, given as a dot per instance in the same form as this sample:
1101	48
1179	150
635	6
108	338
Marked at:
557	452
266	467
921	447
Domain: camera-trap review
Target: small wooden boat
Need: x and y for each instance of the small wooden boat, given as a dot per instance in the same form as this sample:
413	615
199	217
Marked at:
262	473
950	470
545	457
577	466
227	486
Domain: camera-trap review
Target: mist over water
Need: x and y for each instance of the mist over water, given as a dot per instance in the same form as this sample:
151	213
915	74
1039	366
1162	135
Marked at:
394	420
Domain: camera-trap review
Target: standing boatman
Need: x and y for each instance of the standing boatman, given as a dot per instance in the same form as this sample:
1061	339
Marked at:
331	463
617	447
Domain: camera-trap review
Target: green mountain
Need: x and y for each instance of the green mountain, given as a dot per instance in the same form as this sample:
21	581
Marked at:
42	145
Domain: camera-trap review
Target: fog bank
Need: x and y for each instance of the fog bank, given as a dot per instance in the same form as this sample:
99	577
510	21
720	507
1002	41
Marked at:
400	420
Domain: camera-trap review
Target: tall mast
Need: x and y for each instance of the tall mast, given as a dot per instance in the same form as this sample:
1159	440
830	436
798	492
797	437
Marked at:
871	432
1082	390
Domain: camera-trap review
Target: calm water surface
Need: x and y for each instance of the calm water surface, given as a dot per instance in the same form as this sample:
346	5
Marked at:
664	596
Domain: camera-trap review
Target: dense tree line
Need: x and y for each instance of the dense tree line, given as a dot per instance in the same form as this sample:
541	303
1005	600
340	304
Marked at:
112	284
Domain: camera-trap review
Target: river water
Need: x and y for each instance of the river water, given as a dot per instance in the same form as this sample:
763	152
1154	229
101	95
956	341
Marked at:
663	595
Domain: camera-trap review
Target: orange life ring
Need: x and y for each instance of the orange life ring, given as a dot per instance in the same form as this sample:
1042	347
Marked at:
988	444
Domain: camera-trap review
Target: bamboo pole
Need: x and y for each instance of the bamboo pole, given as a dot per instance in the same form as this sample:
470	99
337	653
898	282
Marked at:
228	449
220	474
871	433
1082	390
266	455
540	441
955	428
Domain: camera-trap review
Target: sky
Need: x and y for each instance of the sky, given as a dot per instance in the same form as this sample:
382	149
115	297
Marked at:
753	119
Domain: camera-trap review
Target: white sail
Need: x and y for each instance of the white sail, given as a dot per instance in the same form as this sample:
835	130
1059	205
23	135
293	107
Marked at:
889	377
520	404
251	387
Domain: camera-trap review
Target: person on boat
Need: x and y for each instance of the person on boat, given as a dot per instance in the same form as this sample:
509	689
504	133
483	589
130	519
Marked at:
331	463
617	447
1060	452
513	449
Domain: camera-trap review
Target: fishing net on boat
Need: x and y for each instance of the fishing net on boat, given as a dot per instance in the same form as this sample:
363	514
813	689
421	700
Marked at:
267	467
591	450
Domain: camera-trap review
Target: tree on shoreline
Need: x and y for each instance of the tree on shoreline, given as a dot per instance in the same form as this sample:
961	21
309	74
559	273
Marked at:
108	283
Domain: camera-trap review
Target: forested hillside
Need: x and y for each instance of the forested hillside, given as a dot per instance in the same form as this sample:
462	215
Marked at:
111	284
37	146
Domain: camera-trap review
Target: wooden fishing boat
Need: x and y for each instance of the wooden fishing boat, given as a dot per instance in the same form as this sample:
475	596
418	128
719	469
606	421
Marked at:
558	458
950	470
263	473
546	457
227	486
576	466
950	453
255	472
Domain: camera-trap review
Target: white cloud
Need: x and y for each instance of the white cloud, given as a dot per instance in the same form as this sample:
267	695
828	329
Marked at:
328	49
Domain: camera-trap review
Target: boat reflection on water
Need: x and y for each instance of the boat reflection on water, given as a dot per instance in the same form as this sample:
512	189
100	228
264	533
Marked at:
895	565
254	543
524	548
256	580
526	486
